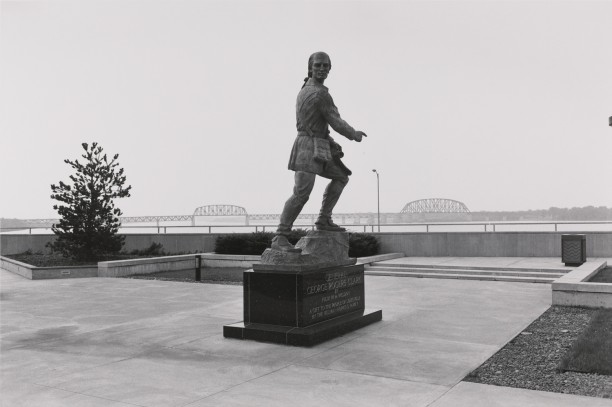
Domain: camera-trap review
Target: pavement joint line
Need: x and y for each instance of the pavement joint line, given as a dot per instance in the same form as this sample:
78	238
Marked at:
85	370
175	346
381	376
443	394
239	384
434	340
89	395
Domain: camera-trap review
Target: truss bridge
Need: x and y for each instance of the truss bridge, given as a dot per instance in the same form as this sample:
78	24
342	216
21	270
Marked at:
435	205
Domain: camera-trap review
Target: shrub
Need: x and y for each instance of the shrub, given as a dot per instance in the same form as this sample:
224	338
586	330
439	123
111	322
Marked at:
252	243
360	244
156	249
296	235
243	243
255	243
363	245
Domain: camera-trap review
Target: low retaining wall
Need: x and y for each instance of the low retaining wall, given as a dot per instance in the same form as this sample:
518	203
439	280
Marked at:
433	244
574	289
187	242
233	264
213	260
44	273
489	244
124	268
379	257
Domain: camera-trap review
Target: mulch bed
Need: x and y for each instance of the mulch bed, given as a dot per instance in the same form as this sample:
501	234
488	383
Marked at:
227	276
57	260
532	358
183	279
602	276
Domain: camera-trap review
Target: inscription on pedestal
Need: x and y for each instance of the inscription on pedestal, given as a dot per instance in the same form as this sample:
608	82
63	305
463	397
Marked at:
330	294
302	299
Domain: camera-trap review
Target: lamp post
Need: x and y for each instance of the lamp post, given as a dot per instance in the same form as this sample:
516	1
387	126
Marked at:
378	195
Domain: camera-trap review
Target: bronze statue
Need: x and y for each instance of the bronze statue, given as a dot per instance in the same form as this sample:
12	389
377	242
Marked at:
315	152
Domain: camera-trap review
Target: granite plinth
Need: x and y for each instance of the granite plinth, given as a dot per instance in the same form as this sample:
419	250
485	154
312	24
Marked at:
302	308
306	336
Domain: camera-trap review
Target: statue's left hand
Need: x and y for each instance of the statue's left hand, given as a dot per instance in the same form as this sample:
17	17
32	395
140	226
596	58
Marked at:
359	135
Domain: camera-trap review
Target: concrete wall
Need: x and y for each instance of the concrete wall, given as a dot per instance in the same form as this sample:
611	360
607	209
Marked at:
489	244
15	244
173	243
458	244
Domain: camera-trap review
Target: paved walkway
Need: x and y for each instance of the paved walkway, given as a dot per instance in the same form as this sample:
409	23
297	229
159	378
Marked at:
121	342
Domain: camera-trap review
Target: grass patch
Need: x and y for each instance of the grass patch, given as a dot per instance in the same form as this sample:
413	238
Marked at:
592	351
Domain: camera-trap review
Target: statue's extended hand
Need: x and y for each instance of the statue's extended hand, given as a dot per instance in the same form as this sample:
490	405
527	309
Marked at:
359	135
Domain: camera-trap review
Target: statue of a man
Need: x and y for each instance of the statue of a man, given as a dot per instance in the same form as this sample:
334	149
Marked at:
315	152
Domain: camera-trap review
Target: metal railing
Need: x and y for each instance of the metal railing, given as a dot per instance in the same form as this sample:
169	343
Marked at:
425	227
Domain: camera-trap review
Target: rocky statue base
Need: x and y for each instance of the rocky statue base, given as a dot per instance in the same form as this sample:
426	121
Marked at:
304	298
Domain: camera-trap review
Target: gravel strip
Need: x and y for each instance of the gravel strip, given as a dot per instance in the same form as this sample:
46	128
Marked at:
530	360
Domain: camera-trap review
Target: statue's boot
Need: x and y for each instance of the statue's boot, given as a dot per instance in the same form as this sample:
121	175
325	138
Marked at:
325	223
281	243
330	198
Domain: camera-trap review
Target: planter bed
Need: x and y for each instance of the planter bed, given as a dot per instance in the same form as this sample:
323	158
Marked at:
223	275
181	263
40	273
603	276
575	289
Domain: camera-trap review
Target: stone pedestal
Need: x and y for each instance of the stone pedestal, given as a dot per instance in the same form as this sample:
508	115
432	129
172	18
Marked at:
316	296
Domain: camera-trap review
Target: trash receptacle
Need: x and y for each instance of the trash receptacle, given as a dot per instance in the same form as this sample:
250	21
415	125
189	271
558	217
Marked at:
573	249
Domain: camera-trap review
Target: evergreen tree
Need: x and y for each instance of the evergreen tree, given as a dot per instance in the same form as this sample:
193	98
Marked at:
89	220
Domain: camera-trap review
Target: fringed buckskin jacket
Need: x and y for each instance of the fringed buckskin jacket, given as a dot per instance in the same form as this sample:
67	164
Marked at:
315	112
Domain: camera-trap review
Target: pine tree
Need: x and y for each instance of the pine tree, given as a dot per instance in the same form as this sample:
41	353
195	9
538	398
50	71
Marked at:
89	220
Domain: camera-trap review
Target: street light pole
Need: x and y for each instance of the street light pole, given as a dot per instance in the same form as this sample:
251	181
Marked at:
378	196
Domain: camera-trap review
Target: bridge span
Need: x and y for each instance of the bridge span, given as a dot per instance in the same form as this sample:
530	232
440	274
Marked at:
410	212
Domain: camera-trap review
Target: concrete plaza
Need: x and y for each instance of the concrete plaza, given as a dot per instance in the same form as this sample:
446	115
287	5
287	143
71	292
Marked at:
123	342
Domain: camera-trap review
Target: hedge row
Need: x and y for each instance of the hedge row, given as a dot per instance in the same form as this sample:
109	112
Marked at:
360	244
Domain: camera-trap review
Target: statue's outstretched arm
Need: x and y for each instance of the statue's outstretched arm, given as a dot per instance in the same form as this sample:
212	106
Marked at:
331	114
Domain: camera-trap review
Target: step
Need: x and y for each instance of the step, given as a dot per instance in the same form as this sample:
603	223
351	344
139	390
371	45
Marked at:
516	273
462	276
563	270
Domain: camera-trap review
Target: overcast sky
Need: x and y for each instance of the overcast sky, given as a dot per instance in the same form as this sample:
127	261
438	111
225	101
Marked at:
502	105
